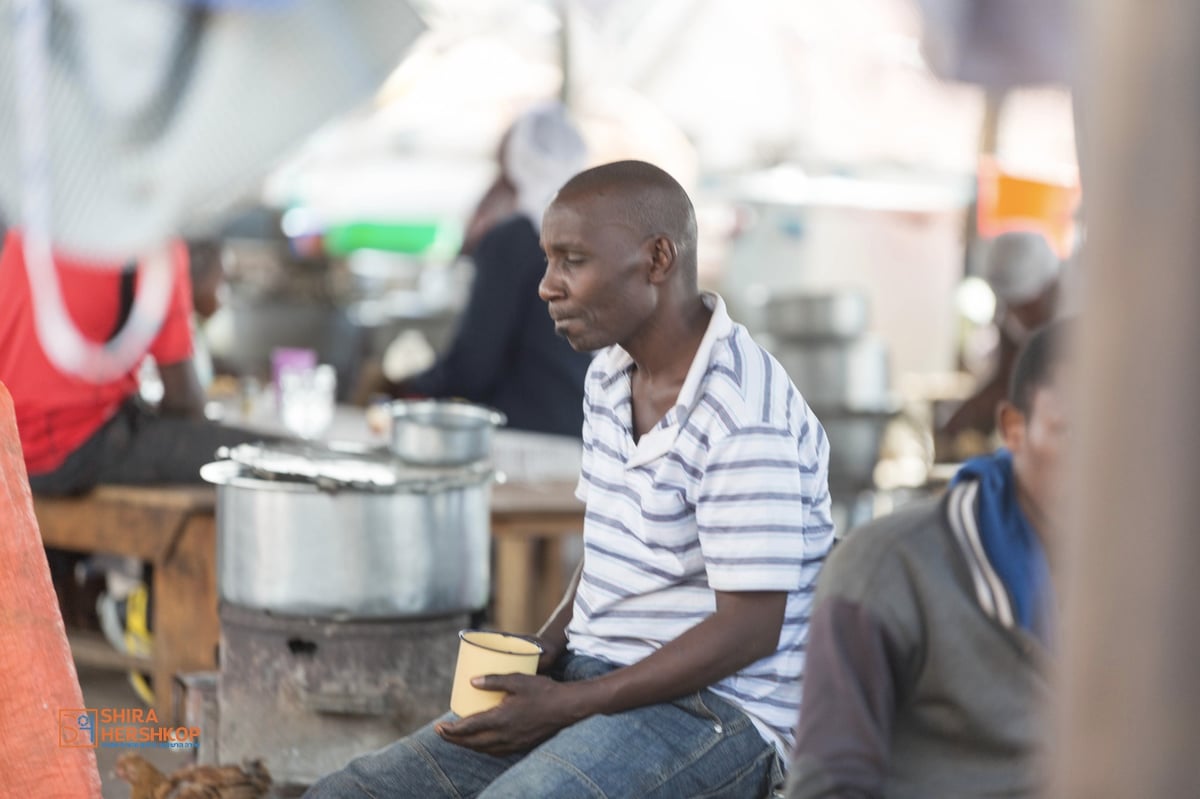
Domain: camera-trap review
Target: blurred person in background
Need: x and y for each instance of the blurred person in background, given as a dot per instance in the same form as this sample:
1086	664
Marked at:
208	277
931	627
1024	274
75	433
499	201
505	353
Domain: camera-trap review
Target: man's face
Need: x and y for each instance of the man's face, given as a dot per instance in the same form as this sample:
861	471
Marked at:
596	285
1038	311
1038	442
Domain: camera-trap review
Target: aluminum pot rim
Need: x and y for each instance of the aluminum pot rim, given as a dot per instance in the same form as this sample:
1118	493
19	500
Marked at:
227	473
425	412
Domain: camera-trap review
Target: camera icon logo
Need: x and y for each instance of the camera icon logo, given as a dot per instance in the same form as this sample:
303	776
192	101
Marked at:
77	728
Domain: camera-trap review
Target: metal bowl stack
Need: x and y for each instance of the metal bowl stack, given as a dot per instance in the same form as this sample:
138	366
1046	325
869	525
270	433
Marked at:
821	339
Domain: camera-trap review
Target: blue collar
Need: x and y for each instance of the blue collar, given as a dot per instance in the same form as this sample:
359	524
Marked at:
1012	545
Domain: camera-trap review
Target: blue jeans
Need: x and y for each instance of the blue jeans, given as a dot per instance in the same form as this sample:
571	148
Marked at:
697	746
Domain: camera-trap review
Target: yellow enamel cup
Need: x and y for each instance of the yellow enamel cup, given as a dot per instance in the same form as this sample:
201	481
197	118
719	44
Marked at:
481	653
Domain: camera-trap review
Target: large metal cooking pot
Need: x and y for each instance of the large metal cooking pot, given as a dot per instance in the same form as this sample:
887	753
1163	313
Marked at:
306	533
442	432
834	315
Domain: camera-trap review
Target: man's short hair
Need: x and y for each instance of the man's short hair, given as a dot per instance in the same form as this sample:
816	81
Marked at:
1035	364
653	202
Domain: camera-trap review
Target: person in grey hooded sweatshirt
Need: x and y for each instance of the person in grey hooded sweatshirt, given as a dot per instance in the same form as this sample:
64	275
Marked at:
924	673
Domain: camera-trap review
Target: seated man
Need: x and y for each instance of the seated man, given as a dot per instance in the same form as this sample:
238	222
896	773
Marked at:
676	669
924	671
75	433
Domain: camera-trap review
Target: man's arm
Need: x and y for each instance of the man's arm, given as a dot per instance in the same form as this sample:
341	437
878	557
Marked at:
978	411
843	743
553	634
172	347
182	394
745	628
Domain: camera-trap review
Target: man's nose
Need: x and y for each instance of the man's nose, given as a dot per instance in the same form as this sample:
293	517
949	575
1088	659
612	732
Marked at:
549	287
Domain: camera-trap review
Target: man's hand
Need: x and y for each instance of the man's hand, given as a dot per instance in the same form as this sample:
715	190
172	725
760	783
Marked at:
371	382
745	627
535	709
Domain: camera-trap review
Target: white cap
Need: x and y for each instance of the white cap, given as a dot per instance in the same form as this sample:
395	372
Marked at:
544	150
1019	266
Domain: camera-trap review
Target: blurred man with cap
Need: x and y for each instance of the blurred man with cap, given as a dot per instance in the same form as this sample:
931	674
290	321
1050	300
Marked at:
505	353
1024	274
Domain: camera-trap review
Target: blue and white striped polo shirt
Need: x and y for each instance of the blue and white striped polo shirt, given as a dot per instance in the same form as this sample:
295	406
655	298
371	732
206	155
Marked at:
729	492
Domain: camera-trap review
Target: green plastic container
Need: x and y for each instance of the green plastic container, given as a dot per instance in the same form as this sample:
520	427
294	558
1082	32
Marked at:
413	238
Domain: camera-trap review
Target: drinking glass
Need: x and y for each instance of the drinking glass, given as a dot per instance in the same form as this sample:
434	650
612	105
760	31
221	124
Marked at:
306	399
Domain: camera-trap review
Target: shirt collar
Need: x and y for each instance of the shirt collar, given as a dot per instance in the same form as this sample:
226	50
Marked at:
658	441
719	326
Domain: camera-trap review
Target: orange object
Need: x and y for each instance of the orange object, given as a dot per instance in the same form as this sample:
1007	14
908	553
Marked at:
1008	202
46	752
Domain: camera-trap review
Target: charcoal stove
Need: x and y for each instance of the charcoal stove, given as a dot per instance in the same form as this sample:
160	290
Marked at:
344	579
308	694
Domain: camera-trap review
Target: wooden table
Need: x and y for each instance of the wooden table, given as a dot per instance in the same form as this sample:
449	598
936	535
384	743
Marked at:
530	523
174	529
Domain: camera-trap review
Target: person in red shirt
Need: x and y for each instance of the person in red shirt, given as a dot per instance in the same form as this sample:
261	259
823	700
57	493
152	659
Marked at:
76	434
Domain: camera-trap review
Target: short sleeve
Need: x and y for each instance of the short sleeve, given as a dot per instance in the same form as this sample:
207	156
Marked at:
174	341
752	513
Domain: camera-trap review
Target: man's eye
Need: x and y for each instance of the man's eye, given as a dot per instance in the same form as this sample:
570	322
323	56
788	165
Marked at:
573	260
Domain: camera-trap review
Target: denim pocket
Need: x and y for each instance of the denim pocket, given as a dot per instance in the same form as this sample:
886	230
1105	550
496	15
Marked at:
695	704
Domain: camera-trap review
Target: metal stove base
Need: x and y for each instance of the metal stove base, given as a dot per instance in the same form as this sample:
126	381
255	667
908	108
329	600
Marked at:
307	694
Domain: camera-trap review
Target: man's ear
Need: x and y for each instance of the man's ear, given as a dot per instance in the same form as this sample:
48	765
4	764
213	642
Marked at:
663	254
1010	421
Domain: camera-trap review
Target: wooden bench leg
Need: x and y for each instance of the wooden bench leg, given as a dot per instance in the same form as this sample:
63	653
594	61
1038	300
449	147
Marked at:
553	582
513	583
186	624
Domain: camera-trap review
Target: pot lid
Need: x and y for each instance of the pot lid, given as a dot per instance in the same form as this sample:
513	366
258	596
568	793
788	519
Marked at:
336	467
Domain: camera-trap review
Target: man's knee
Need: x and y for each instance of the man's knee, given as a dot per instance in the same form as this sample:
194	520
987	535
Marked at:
406	767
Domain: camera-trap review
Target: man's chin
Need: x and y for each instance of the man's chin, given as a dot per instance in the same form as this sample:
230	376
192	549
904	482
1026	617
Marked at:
575	344
578	337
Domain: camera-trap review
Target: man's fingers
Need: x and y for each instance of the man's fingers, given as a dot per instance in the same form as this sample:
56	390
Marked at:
486	740
469	725
499	682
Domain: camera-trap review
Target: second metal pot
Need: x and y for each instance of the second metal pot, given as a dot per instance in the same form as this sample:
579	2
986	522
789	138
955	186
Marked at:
828	316
439	432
